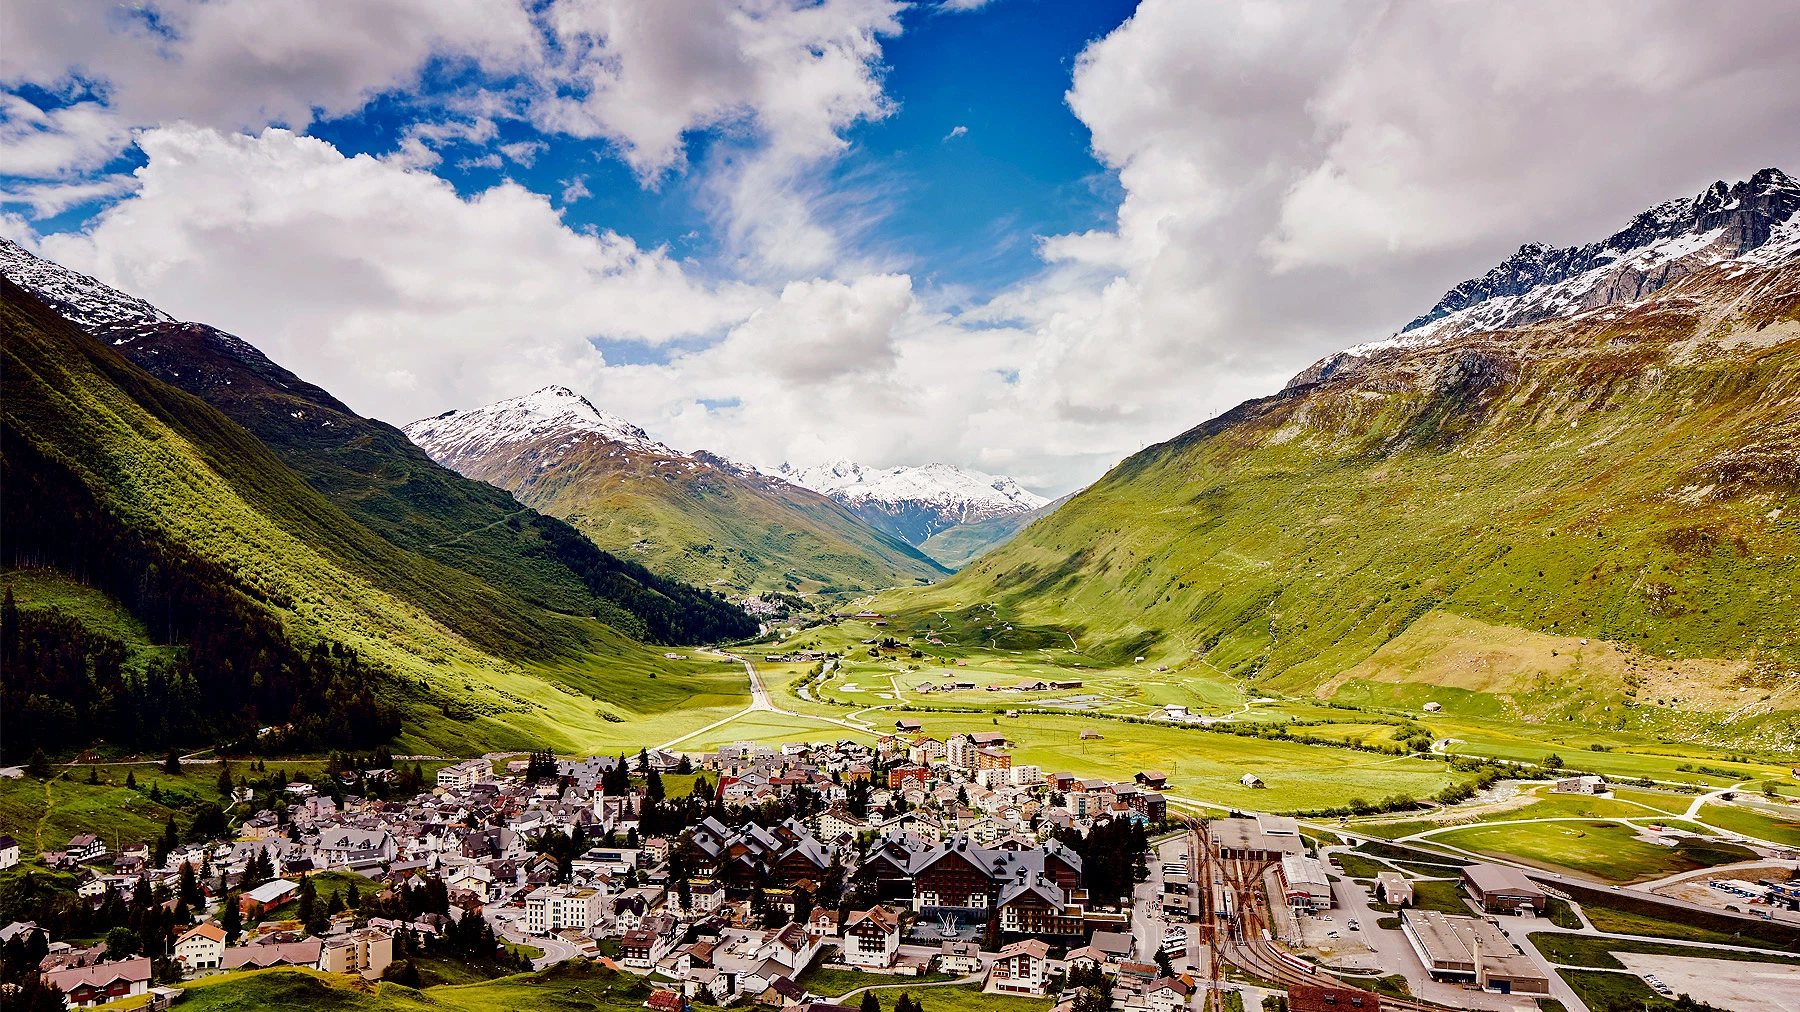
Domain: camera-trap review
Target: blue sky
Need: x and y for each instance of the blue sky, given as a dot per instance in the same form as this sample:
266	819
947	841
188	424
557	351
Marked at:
1024	236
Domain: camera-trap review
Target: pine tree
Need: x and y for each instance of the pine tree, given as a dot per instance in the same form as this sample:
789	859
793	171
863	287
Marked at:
189	887
231	919
353	896
172	765
131	780
93	774
870	1003
308	912
653	786
38	765
225	785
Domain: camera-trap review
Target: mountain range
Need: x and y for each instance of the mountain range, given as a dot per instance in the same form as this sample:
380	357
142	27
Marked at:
916	503
1567	491
694	515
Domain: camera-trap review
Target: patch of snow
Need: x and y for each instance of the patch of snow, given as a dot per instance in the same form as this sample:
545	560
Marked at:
974	495
550	412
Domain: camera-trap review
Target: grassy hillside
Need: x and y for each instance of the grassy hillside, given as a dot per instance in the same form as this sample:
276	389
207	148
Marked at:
956	547
705	521
1589	519
190	523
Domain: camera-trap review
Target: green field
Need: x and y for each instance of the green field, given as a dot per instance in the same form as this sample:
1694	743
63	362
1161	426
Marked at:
1753	823
1596	952
1607	851
1604	991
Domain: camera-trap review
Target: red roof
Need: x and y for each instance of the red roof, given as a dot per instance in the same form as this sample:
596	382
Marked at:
667	1000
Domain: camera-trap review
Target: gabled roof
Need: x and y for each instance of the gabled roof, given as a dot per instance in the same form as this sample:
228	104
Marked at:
1030	946
208	930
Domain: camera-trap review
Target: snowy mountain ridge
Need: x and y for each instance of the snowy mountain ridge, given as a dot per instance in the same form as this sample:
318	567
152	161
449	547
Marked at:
915	502
1749	220
90	304
553	410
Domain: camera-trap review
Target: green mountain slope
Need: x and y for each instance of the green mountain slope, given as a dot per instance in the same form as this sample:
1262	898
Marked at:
956	547
152	496
1590	517
696	516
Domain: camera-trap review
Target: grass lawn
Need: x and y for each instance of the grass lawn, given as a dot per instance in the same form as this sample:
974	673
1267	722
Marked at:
1627	922
1594	951
1443	896
962	998
326	884
1604	850
1753	823
1604	991
1662	801
574	985
1357	866
1559	913
832	983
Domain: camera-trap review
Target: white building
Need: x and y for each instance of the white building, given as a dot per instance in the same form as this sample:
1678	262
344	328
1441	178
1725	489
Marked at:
202	948
549	909
1305	881
959	752
871	937
465	774
9	852
1025	776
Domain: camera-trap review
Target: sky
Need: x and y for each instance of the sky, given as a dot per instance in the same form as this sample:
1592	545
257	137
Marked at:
1025	236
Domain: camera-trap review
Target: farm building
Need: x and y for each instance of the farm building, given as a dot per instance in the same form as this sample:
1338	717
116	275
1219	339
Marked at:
1252	780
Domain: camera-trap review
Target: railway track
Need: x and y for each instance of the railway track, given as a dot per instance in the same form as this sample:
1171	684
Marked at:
1245	940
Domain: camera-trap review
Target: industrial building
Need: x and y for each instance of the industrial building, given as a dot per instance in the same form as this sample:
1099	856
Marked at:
1501	890
1305	883
1466	948
1394	888
1264	838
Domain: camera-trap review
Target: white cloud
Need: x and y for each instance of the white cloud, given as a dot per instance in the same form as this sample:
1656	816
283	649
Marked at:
955	132
781	78
575	189
37	143
379	282
51	198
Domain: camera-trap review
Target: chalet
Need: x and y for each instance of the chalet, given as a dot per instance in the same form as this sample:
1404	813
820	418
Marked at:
837	821
1114	946
1032	904
909	725
959	958
665	1001
789	946
1252	781
85	847
959	873
1022	968
9	851
871	937
85	986
1156	780
1169	993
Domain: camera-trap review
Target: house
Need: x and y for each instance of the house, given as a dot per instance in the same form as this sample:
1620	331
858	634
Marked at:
871	937
366	952
900	775
1252	781
645	945
909	725
1169	993
959	958
83	986
9	851
1091	735
201	948
665	1001
1500	889
1114	946
791	946
1022	968
266	954
1394	889
1156	780
85	847
822	924
1579	785
837	821
266	897
1314	998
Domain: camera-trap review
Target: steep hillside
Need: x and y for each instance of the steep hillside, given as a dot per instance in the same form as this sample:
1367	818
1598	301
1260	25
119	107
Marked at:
284	608
1590	516
916	503
696	516
500	551
955	547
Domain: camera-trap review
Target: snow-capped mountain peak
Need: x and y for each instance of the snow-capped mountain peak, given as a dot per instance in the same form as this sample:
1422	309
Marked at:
1750	219
90	304
551	411
915	502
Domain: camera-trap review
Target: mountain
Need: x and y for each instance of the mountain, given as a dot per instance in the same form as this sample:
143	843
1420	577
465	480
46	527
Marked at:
957	546
914	503
1659	247
240	587
387	485
1591	516
694	515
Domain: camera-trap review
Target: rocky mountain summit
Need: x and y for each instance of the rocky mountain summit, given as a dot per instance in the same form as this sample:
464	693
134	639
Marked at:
1660	246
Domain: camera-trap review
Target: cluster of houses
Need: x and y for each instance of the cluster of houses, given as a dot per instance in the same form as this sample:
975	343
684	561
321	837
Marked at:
943	832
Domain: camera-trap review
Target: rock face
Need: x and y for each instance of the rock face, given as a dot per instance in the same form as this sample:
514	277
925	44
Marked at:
1660	246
